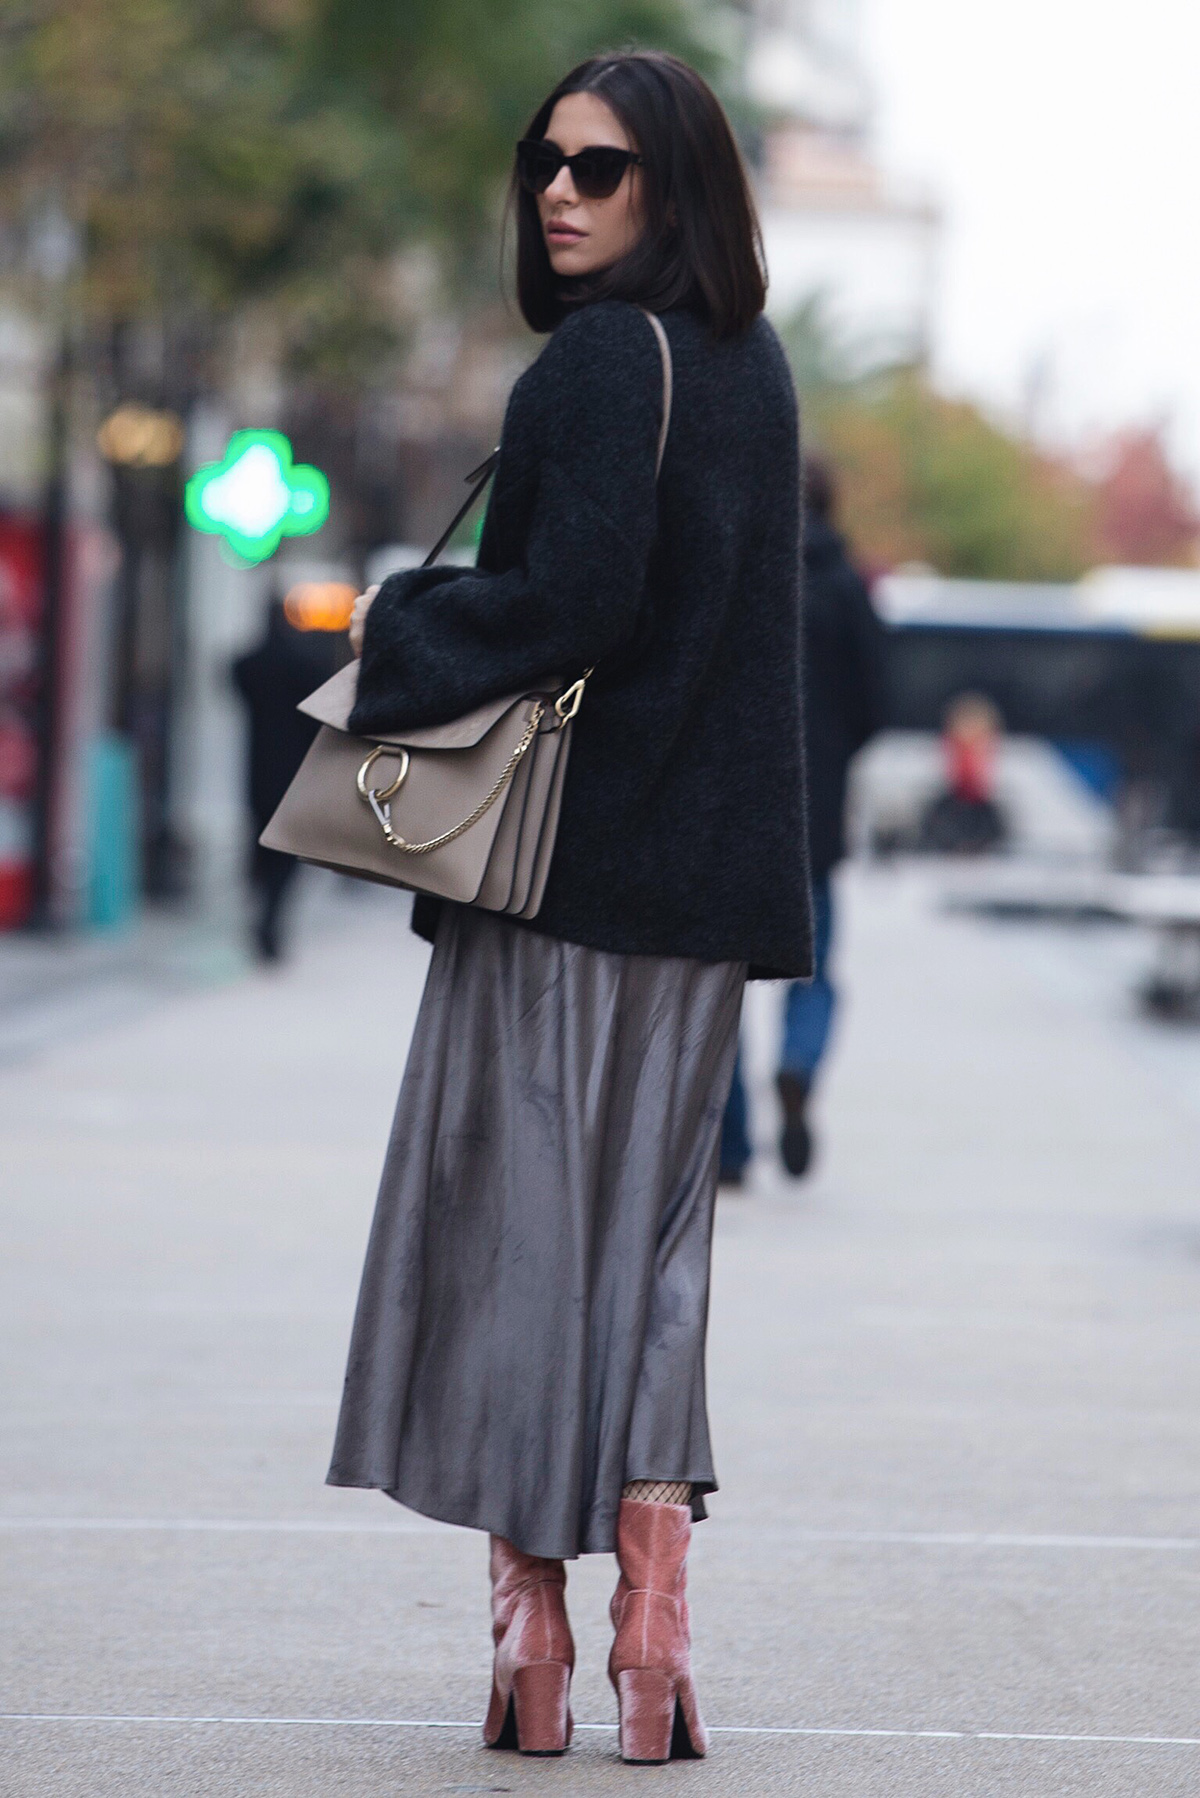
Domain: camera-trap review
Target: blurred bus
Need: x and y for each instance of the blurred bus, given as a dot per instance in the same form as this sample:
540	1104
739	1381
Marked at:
1107	670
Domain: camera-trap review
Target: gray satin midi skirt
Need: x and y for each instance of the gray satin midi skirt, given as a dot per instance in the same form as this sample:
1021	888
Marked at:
531	1326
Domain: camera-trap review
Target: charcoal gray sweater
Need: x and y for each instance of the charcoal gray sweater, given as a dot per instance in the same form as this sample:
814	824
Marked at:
682	829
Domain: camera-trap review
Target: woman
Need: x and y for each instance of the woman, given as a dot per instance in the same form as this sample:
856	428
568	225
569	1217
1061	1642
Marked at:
528	1354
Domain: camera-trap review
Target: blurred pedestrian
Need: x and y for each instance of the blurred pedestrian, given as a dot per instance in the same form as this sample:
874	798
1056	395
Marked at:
844	705
272	678
965	818
528	1353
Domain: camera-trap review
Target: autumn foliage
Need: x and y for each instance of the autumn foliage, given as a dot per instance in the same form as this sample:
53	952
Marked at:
930	479
1144	512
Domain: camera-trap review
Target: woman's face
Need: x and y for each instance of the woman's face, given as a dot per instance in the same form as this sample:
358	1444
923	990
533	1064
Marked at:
584	236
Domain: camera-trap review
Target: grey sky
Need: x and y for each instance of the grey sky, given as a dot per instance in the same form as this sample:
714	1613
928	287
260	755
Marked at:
1063	138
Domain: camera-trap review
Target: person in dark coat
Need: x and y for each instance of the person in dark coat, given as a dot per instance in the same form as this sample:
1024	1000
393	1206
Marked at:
844	705
528	1354
272	678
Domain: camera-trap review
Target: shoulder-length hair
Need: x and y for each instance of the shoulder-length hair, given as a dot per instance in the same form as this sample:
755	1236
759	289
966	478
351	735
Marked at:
701	245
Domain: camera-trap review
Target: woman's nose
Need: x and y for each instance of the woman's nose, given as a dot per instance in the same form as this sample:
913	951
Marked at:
562	187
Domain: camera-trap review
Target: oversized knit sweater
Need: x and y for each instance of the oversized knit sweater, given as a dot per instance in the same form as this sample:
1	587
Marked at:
682	830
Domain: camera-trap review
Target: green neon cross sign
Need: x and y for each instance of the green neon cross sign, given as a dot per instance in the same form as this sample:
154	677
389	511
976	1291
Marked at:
255	495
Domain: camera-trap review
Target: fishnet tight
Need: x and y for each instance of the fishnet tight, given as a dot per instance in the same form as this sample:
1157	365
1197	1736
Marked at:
659	1492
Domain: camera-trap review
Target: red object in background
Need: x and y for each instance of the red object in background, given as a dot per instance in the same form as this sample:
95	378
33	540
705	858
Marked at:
20	613
970	768
1146	514
970	740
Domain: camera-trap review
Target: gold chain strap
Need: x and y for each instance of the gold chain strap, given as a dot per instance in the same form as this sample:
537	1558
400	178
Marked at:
383	811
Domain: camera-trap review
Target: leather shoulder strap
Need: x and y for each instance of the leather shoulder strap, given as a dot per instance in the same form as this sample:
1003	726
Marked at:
668	374
477	480
479	477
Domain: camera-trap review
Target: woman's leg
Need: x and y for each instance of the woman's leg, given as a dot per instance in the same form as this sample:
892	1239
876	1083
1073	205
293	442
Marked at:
735	1130
659	1492
808	1015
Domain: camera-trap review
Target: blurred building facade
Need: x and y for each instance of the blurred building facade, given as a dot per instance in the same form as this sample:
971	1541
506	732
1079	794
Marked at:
838	230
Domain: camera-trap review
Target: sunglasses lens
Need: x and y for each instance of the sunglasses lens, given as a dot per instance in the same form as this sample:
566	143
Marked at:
537	165
598	171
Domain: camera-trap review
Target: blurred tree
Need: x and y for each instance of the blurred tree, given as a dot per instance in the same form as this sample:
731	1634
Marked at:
929	479
1145	512
821	360
934	480
276	153
459	79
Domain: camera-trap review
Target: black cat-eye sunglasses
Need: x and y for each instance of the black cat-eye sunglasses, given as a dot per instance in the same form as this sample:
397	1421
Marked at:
597	171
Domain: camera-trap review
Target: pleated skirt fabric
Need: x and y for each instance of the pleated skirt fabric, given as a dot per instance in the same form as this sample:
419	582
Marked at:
531	1326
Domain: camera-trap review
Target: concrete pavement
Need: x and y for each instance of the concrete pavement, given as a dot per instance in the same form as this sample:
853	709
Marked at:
954	1389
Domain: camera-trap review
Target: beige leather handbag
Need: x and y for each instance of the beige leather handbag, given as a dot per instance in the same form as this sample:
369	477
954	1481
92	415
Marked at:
467	810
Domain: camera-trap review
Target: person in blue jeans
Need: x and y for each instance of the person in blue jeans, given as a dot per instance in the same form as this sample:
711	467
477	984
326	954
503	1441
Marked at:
845	699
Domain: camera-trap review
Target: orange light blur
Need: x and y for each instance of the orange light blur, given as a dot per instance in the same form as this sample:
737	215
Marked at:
140	437
319	605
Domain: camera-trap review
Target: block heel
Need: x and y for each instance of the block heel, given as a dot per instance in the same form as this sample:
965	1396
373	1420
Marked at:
646	1706
529	1708
541	1716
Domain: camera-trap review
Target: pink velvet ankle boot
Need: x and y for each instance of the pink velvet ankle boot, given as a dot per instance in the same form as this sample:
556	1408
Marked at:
534	1653
650	1664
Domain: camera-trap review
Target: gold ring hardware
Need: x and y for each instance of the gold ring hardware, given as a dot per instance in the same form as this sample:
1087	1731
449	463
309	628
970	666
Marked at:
380	794
383	811
569	702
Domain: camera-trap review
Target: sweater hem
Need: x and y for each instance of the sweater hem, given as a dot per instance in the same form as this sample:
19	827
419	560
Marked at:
765	962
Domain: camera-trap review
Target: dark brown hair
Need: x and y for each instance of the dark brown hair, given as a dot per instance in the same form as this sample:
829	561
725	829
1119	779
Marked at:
700	245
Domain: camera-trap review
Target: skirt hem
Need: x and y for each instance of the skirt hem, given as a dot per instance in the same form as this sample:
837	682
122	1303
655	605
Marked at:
600	1538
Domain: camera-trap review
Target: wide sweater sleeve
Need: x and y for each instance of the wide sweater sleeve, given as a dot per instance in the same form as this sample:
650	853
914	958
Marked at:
440	641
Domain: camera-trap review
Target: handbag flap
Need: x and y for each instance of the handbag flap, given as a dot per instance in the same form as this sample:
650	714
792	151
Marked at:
333	703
